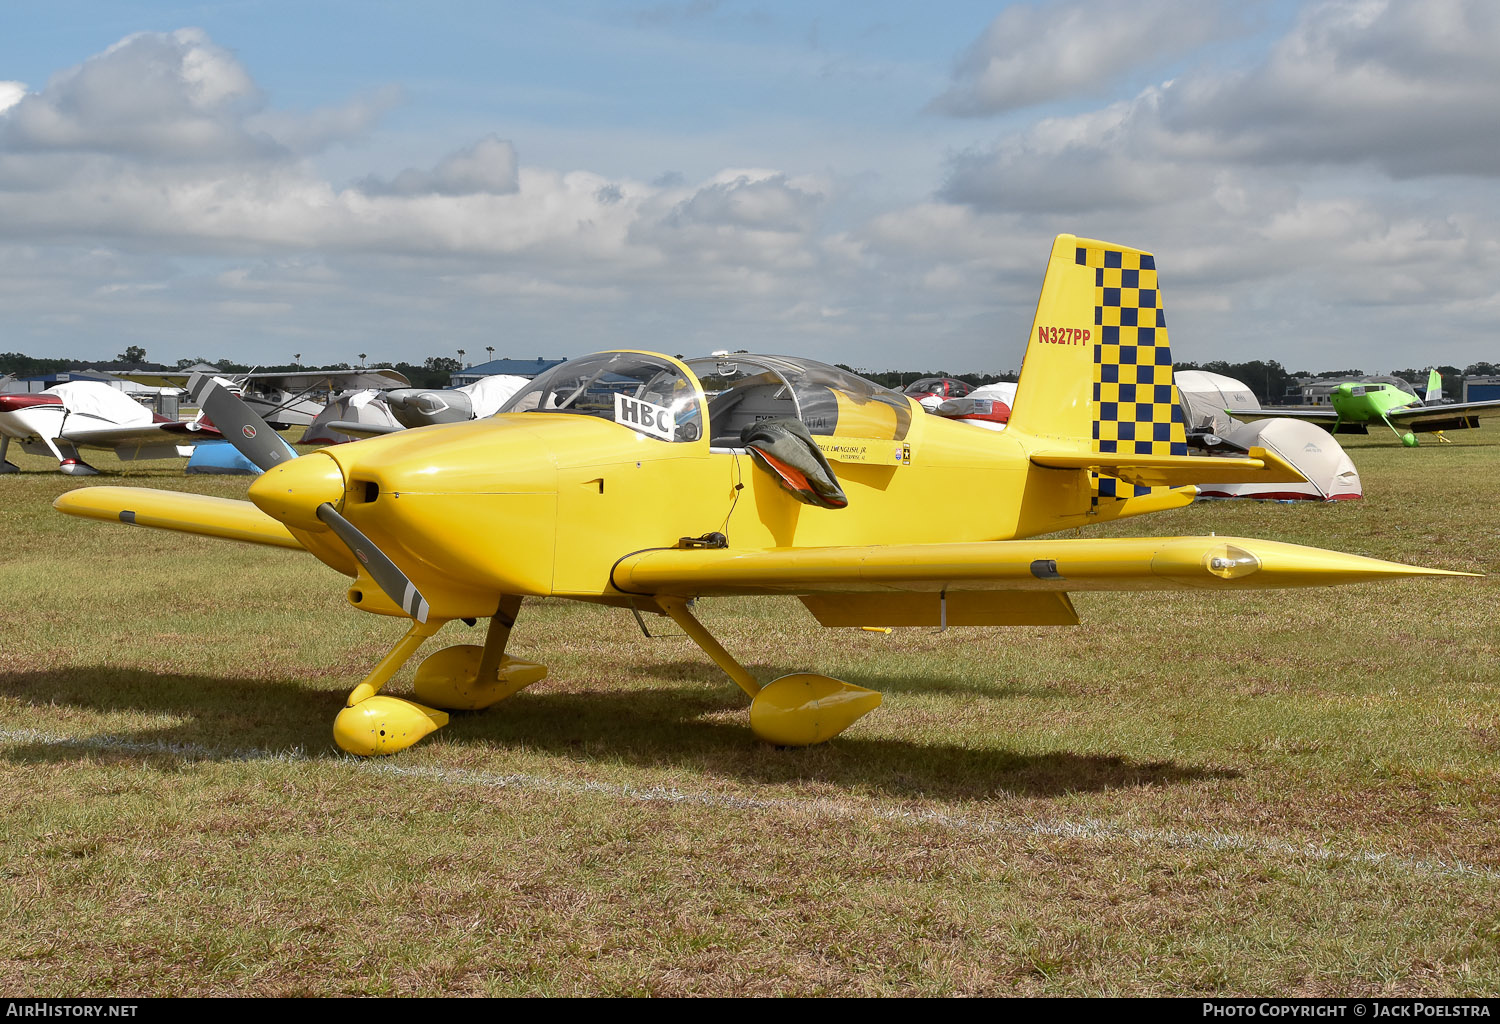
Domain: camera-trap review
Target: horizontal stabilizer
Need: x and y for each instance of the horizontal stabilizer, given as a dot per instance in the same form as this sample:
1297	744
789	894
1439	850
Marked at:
1133	563
1176	470
177	510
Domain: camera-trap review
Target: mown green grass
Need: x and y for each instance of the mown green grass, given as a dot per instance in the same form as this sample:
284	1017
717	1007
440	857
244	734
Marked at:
1290	792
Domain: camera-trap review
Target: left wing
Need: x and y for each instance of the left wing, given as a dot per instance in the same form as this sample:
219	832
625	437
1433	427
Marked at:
1036	565
1443	417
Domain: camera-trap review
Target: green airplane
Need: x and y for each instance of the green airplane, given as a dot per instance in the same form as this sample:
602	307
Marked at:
1357	404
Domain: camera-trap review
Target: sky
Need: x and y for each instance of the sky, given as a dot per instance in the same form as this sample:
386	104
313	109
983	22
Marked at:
875	184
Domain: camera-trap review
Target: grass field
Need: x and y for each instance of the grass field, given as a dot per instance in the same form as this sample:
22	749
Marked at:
1284	793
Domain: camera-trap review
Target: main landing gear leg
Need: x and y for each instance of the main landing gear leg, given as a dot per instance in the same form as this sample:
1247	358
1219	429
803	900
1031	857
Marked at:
1408	439
793	711
70	464
374	724
467	678
6	467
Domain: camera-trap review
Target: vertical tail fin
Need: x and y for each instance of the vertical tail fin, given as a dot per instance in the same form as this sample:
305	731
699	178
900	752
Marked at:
1434	388
1098	369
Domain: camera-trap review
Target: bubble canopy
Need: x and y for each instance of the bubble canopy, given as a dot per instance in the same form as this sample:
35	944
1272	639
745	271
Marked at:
652	394
830	401
664	398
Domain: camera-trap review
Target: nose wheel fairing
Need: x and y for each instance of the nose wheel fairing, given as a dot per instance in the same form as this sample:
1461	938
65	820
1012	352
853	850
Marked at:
464	677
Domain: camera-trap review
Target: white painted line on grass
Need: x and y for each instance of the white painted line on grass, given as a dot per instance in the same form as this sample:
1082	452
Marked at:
1087	829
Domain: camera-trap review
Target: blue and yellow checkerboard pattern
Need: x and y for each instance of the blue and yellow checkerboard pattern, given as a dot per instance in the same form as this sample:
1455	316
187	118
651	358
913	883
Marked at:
1136	410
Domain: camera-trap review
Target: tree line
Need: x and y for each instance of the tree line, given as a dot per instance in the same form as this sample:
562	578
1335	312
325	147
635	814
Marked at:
433	372
1270	381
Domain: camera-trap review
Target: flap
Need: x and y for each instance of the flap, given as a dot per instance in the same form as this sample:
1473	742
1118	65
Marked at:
961	608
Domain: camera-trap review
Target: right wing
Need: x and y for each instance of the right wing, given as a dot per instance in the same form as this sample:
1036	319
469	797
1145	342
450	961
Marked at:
173	433
177	510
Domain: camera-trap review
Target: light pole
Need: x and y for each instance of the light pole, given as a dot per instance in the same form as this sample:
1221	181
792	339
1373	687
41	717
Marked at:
490	352
361	360
460	359
298	357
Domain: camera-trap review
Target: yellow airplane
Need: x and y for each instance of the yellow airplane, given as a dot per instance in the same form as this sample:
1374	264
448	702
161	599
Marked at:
615	478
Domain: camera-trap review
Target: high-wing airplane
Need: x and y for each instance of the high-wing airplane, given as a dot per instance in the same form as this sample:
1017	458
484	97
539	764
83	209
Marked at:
281	398
612	479
1358	404
89	414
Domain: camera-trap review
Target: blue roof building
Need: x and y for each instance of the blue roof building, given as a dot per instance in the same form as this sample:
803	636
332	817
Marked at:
518	367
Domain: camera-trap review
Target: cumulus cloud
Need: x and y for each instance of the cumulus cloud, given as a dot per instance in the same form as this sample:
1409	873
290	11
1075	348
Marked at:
168	96
1290	201
190	208
10	94
486	167
762	200
313	131
1407	86
1402	87
1031	55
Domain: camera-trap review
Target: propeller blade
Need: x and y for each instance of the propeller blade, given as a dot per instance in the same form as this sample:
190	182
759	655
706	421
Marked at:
382	570
251	436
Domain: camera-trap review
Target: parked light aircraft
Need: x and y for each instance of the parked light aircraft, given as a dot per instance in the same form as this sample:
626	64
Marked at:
281	397
1357	404
90	414
423	407
612	479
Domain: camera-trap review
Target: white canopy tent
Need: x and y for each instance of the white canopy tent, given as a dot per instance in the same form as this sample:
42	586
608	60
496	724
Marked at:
1331	476
1205	396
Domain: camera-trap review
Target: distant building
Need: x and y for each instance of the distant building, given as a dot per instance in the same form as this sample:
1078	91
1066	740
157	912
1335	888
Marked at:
43	381
1481	389
517	367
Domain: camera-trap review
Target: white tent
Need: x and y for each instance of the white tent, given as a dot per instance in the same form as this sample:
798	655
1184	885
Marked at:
1206	395
1004	390
488	394
1330	474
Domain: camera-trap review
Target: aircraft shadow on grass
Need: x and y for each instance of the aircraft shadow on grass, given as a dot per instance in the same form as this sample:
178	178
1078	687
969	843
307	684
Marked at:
230	719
